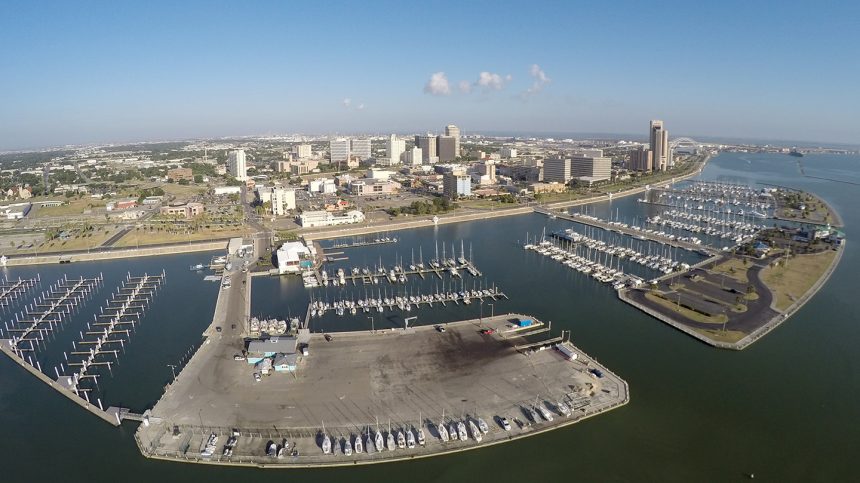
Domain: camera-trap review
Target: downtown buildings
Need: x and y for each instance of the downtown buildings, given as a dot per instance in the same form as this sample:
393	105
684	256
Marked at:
236	165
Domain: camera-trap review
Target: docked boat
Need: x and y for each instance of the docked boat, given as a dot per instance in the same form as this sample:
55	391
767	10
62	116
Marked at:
483	426
563	408
347	447
455	435
410	439
421	439
476	433
359	448
544	412
461	430
401	439
378	442
443	432
326	444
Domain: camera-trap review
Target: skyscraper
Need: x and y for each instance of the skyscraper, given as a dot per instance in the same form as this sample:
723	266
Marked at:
236	165
660	151
395	148
427	143
556	169
446	148
640	160
454	132
361	148
339	150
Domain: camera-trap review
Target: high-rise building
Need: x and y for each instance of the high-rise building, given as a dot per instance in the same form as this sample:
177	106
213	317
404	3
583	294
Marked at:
283	200
661	153
446	148
454	132
427	143
556	169
361	148
591	166
640	160
395	148
339	150
413	157
301	151
456	184
508	152
236	165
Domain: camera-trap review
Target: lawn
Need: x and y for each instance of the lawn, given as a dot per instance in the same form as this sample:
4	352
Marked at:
729	336
791	279
485	204
136	238
734	268
75	207
75	243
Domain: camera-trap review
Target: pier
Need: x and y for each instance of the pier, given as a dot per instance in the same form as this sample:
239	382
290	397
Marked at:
100	345
11	289
618	228
357	242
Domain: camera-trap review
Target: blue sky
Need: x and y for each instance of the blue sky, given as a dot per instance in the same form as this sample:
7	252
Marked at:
82	72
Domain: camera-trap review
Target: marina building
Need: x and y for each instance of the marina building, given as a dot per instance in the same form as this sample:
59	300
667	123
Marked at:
294	257
236	165
310	219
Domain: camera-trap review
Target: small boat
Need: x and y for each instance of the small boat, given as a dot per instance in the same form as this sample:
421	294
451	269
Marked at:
272	450
461	430
453	431
544	412
378	442
359	448
421	439
347	447
410	439
326	444
476	433
389	442
483	426
563	408
401	440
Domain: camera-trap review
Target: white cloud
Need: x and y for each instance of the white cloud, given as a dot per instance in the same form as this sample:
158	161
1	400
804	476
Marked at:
360	106
347	103
465	86
351	105
540	80
438	85
491	81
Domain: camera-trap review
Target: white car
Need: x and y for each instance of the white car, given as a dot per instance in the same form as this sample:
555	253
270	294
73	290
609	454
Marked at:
257	377
505	424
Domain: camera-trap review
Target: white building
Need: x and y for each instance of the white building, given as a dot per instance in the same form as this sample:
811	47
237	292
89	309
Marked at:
236	165
361	148
301	151
339	150
322	185
283	200
456	184
290	256
413	157
395	149
226	190
325	218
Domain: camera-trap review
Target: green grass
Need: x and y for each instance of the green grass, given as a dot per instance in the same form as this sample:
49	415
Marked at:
793	278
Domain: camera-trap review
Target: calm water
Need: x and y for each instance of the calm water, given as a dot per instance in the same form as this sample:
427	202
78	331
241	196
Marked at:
785	408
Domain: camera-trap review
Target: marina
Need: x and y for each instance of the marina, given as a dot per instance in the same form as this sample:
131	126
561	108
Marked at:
10	290
359	241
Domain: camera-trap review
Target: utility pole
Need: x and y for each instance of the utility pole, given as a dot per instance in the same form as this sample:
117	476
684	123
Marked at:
173	370
371	324
406	321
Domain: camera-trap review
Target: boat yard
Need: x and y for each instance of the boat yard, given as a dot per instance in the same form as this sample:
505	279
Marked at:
354	384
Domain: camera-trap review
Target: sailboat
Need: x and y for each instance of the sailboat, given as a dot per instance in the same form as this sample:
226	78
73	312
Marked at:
401	439
347	447
378	441
390	440
410	439
326	442
443	431
359	448
476	433
461	429
421	439
454	434
483	426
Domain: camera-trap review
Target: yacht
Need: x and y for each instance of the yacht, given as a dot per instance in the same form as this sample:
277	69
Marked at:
347	447
483	426
401	439
421	439
476	433
443	433
455	435
461	429
359	448
326	444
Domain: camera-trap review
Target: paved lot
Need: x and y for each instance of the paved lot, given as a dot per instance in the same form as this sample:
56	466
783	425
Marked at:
347	384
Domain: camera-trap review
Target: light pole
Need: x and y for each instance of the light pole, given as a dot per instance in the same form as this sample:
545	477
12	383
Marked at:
481	320
371	324
492	310
173	370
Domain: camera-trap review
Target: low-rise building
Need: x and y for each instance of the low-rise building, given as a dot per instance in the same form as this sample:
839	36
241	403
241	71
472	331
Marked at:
226	190
370	187
324	218
183	210
553	187
294	257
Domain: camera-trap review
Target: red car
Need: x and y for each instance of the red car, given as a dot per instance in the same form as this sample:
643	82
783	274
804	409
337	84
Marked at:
488	331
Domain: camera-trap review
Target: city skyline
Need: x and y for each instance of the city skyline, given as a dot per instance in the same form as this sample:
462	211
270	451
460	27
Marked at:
734	71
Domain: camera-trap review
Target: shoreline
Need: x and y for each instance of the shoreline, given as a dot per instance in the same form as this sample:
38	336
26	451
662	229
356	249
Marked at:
113	254
393	225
